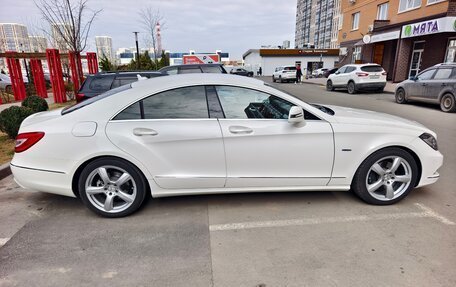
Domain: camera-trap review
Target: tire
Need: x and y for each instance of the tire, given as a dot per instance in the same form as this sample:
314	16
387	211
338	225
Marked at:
102	177
380	90
400	96
273	79
351	87
448	103
280	79
329	85
377	172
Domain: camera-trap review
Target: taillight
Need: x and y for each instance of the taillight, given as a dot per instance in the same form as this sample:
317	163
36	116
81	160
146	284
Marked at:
362	74
26	140
79	97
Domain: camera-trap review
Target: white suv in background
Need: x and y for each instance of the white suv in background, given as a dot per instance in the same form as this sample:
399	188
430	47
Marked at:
284	74
356	77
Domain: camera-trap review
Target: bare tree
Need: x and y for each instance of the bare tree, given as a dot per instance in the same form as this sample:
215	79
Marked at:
149	20
70	22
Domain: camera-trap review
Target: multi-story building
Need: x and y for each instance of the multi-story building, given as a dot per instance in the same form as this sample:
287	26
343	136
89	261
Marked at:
404	36
38	44
60	35
104	47
14	37
315	23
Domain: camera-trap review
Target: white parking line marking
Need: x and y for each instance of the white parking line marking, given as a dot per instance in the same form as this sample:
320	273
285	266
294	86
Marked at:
3	241
431	213
427	213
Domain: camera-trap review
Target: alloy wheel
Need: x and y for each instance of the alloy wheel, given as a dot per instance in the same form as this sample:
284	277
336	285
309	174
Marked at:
110	189
388	178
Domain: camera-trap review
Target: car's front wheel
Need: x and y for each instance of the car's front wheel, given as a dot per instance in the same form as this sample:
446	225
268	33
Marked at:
273	79
386	176
112	187
448	103
400	96
351	87
329	85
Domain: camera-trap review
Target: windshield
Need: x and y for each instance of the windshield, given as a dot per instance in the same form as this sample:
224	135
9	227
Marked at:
87	102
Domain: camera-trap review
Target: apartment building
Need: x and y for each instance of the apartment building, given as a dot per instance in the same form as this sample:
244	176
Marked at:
104	47
316	23
404	36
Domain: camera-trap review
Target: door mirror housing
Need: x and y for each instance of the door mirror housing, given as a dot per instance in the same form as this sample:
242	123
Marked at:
296	115
413	78
337	73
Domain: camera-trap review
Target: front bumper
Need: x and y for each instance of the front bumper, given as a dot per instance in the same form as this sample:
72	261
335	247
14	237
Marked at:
43	180
431	161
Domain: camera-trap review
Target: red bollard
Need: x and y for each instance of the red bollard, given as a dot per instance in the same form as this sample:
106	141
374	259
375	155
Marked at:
38	78
15	73
74	71
92	62
55	69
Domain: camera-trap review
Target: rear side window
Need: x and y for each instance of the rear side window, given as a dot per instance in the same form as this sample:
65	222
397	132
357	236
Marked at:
101	83
211	69
372	69
443	74
189	70
120	81
290	68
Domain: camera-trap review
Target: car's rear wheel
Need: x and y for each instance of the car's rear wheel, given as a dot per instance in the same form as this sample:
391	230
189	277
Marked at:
280	79
386	177
273	79
351	88
112	187
400	96
329	85
448	103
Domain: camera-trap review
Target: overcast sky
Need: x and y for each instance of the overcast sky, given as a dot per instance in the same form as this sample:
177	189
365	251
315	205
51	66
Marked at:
232	26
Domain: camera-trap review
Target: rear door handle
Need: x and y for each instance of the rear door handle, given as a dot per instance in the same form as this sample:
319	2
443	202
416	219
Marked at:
240	130
443	84
144	132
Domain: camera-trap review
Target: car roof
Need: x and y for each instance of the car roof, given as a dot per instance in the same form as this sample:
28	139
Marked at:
190	66
362	65
125	73
197	79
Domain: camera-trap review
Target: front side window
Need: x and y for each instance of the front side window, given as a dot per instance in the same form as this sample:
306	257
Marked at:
405	5
382	11
355	21
427	75
243	103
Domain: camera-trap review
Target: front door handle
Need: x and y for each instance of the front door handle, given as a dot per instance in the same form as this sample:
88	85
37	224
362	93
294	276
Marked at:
444	85
240	130
144	132
424	84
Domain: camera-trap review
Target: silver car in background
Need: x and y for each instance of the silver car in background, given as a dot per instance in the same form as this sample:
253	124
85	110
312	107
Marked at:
436	85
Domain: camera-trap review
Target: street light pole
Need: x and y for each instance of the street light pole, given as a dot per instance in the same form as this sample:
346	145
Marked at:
137	50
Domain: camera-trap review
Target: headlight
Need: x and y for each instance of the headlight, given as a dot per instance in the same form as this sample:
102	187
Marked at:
430	140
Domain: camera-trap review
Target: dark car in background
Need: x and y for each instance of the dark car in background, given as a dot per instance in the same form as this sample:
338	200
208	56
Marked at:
193	68
330	72
436	85
241	72
105	81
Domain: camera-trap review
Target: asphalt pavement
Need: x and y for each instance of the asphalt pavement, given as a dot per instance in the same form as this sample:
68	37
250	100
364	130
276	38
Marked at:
258	239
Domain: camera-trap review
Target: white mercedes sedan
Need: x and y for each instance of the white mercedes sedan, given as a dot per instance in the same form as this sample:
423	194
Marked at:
210	133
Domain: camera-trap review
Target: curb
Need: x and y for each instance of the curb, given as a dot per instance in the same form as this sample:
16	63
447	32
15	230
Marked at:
5	170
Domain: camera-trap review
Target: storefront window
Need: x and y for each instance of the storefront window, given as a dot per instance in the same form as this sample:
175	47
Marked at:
451	52
405	5
356	54
382	11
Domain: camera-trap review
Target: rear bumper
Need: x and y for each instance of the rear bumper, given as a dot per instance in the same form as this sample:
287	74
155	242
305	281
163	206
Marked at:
370	86
43	180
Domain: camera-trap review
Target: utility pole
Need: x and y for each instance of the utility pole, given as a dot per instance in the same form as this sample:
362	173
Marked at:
137	50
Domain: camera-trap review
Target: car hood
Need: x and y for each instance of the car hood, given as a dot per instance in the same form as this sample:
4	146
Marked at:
366	117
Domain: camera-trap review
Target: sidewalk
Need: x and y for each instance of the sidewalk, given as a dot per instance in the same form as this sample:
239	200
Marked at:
389	88
49	100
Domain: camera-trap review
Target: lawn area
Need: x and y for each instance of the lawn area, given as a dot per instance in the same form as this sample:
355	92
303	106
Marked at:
7	144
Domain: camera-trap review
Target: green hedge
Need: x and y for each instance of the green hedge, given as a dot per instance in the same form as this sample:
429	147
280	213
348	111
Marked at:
11	119
35	103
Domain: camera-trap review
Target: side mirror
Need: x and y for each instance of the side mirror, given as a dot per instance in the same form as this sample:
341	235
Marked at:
337	73
413	78
296	115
